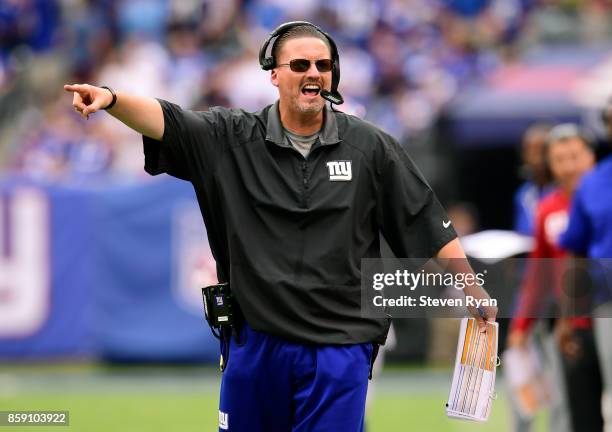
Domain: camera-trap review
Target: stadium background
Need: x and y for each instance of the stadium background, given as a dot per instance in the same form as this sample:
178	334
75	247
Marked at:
100	264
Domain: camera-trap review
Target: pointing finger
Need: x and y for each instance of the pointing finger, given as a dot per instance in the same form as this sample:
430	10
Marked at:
74	87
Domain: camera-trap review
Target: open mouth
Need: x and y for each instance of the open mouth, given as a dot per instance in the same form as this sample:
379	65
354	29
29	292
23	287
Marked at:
311	89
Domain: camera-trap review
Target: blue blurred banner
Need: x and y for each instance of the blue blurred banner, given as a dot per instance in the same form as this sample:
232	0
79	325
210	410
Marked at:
111	271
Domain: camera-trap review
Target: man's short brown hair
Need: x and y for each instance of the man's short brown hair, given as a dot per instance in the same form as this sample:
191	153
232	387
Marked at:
300	31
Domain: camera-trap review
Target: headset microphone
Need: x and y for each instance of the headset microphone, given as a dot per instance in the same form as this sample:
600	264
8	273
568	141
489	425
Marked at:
333	97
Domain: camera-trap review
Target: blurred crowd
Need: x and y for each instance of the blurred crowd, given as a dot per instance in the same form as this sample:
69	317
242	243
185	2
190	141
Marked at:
402	62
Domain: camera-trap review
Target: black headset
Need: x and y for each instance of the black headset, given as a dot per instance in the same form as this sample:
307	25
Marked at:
269	62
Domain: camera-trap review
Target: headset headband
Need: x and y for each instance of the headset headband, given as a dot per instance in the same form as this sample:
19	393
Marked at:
269	62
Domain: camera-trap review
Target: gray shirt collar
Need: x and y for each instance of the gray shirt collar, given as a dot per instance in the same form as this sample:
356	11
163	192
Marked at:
329	134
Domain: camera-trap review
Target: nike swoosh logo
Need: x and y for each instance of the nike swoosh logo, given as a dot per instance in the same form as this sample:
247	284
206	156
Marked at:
446	224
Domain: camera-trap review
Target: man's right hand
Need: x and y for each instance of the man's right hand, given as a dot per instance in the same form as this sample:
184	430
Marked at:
143	114
88	99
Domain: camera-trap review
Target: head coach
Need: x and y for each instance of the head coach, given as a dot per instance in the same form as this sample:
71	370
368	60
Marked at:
293	197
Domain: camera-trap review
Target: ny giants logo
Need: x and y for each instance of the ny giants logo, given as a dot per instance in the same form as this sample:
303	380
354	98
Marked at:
340	170
223	420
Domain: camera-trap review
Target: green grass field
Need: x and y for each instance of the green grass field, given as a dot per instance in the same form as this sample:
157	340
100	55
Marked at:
185	399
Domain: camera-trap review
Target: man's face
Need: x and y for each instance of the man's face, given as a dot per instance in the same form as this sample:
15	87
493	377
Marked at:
291	85
533	150
569	160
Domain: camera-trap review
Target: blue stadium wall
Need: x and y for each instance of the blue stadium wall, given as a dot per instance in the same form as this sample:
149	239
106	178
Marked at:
110	271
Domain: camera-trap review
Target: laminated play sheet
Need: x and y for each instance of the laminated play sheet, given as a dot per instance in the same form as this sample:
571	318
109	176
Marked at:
473	386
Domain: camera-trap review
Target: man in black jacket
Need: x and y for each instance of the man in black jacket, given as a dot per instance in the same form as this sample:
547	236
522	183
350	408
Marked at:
293	197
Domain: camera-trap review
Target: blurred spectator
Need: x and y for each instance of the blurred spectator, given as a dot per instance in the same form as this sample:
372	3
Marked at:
589	234
536	176
576	379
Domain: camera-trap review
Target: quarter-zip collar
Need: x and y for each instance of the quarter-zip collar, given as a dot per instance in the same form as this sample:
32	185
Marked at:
275	134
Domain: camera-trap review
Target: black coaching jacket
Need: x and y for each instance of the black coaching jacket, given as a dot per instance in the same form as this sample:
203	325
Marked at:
289	232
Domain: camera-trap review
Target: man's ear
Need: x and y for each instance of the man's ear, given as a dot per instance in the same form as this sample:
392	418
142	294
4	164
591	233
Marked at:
274	78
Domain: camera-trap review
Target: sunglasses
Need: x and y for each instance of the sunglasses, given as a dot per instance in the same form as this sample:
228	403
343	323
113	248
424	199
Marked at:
302	65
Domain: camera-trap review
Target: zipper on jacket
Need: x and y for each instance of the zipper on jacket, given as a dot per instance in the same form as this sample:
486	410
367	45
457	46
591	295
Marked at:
304	183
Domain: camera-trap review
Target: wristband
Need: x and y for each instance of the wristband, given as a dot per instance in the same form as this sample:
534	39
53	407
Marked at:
114	101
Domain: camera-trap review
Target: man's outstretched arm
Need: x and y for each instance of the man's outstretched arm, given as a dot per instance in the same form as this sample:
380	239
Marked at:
142	114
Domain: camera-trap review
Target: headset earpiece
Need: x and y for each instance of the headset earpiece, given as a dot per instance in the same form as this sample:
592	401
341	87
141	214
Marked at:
267	63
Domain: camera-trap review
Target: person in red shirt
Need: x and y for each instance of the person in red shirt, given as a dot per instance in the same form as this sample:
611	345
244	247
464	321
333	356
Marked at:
570	155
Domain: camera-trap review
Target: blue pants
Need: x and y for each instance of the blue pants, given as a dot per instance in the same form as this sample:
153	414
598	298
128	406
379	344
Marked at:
272	385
